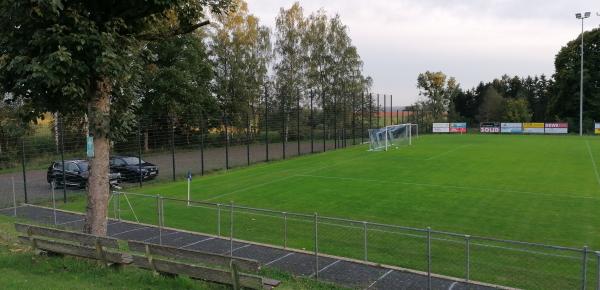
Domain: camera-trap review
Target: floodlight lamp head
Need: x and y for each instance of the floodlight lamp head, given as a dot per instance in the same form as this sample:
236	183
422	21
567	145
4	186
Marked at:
588	14
578	15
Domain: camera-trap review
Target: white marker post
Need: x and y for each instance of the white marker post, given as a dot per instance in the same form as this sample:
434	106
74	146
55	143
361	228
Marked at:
189	181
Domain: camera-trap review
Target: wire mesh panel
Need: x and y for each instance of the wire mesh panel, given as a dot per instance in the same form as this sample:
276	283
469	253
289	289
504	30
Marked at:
299	231
396	246
525	266
134	207
261	226
341	237
192	216
449	255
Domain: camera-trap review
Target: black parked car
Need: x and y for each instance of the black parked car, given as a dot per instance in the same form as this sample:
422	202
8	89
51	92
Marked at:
130	167
76	174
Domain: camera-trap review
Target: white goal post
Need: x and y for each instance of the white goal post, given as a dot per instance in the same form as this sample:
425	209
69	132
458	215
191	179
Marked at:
392	136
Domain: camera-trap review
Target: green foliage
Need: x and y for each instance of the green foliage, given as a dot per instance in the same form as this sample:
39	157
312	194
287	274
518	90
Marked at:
55	54
176	81
565	102
438	91
492	107
240	51
516	110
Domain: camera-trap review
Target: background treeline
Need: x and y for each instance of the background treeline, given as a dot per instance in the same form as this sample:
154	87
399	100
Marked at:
231	72
522	99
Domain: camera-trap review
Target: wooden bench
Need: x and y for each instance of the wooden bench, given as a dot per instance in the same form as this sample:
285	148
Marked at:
78	244
238	272
235	271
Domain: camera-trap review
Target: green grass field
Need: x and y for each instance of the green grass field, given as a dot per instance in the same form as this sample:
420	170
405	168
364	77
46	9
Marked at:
543	189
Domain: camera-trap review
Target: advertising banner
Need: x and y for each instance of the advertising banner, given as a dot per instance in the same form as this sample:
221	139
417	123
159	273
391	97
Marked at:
441	127
597	128
514	128
533	128
556	128
490	127
458	127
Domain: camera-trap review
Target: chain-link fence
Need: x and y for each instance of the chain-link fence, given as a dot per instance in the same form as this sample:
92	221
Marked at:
194	142
433	253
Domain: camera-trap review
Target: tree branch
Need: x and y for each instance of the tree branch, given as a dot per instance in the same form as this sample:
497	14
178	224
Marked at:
174	32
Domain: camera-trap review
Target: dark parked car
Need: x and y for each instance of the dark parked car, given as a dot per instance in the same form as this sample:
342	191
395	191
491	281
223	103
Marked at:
76	174
131	168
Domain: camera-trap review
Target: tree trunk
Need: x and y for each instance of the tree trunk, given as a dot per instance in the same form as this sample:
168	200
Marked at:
98	186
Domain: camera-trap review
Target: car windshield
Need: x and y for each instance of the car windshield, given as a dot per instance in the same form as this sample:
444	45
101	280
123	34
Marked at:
132	160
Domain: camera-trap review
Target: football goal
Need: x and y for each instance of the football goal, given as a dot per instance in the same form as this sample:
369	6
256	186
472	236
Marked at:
391	136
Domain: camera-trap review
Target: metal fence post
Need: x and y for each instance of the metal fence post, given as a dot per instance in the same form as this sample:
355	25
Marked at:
312	124
316	246
298	122
370	111
226	142
283	126
429	258
201	146
23	167
285	230
324	121
248	138
158	213
365	230
173	148
62	156
141	175
362	117
353	120
218	219
584	268
231	230
266	125
597	270
53	202
467	257
12	179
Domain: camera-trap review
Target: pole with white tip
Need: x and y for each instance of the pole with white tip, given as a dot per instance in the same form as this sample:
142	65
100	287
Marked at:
189	181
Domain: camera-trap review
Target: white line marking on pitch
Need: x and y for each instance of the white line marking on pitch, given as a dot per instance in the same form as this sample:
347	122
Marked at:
165	235
66	223
379	279
238	248
280	179
593	161
279	259
326	267
452	285
448	152
195	243
565	194
129	231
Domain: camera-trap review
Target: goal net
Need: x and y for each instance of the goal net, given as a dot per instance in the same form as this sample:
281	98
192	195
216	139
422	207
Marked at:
390	137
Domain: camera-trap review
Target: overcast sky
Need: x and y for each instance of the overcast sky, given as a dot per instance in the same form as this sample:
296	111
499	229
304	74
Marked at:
472	40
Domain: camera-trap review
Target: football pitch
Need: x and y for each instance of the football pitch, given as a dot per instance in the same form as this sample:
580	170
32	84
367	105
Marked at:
540	189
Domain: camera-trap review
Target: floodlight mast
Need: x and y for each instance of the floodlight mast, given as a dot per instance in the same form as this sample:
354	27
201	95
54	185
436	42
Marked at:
582	17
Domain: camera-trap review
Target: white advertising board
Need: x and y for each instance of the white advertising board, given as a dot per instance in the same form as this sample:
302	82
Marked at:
441	127
511	128
556	128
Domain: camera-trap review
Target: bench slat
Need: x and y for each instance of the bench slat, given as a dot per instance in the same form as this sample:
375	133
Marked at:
84	239
245	265
197	272
75	250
